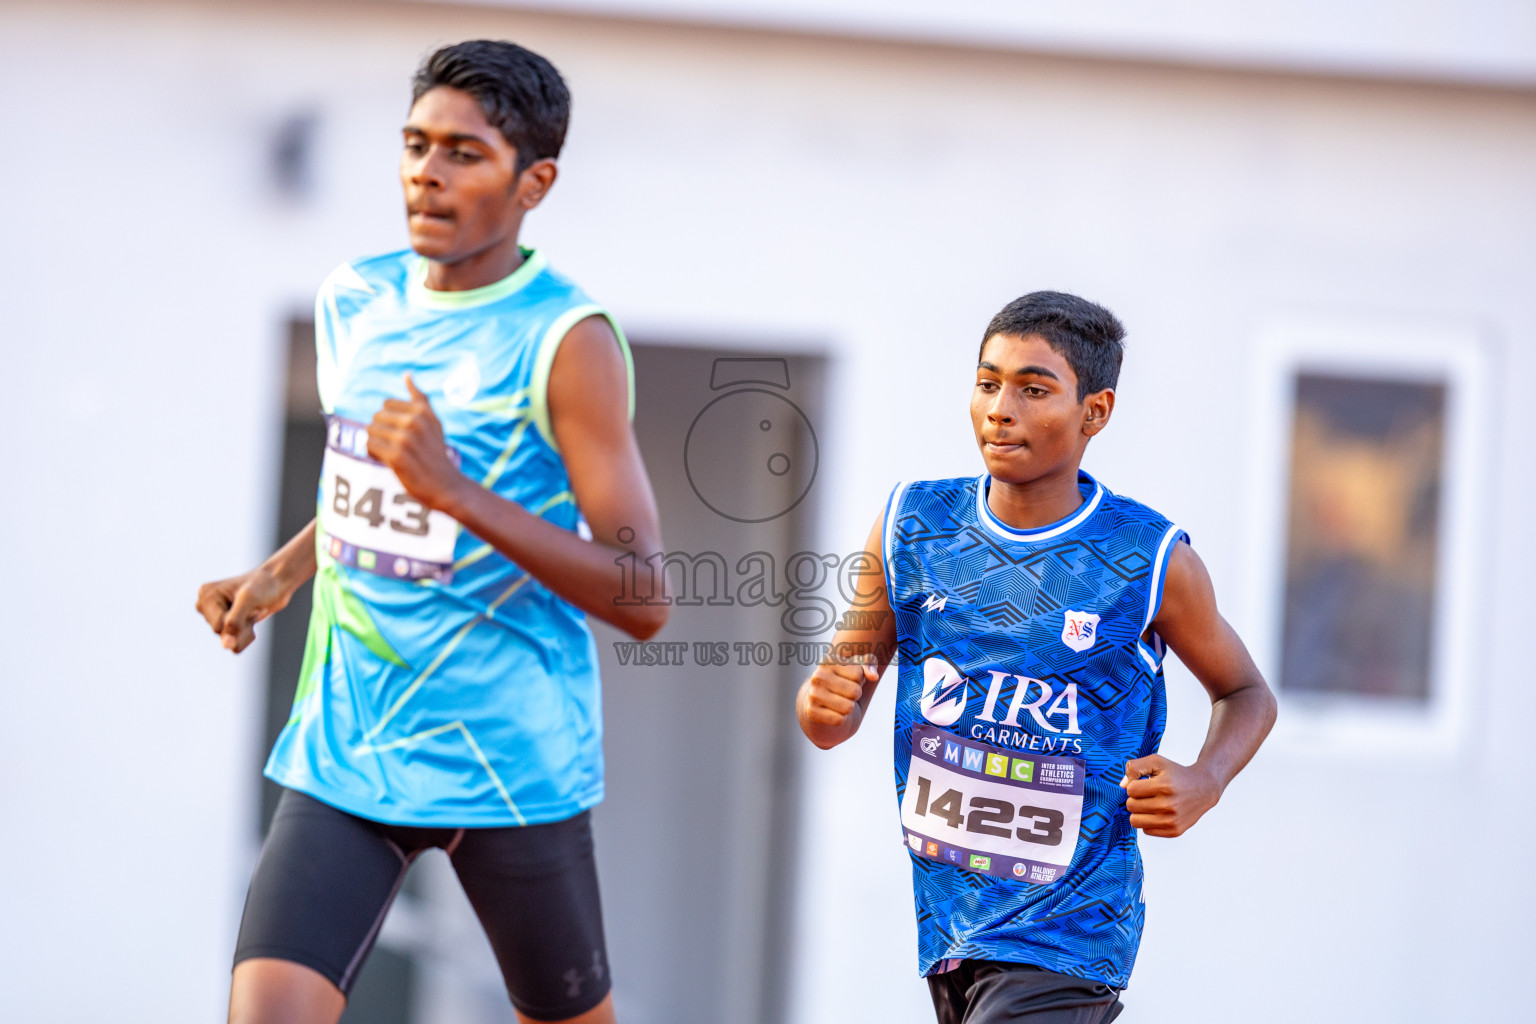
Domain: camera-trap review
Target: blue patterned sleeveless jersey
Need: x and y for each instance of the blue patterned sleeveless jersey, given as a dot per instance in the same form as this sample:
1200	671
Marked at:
1028	675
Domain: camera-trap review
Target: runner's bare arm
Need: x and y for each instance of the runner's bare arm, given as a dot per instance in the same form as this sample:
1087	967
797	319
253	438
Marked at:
233	606
589	414
1165	798
831	703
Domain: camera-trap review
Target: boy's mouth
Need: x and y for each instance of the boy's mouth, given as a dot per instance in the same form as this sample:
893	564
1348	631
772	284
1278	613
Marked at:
427	214
1000	447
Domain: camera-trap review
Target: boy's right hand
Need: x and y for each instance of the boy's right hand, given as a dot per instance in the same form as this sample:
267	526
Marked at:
829	700
234	606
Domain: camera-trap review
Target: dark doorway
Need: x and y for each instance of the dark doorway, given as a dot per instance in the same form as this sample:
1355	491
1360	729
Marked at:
383	993
303	450
696	835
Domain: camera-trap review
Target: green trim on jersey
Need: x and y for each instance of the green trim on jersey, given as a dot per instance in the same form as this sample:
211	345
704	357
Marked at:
335	607
419	294
544	362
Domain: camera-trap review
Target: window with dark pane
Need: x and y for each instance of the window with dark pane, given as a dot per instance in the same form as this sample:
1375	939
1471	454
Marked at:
1361	543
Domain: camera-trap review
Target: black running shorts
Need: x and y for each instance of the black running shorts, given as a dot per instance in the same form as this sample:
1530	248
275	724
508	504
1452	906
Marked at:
990	992
326	879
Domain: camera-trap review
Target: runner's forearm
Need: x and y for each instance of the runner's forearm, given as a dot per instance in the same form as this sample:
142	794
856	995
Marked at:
587	574
294	562
1239	722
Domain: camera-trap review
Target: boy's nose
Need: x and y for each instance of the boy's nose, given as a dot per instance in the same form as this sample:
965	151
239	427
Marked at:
424	173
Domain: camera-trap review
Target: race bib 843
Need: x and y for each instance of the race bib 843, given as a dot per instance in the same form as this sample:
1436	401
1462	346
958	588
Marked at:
367	518
992	810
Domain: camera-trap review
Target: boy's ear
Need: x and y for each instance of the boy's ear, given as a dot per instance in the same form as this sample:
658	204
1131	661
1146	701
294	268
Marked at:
536	181
1097	408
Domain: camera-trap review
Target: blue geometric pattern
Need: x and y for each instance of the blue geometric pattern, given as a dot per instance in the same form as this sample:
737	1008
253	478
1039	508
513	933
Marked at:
995	603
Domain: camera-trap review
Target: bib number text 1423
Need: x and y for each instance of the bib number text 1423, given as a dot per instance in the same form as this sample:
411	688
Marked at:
991	810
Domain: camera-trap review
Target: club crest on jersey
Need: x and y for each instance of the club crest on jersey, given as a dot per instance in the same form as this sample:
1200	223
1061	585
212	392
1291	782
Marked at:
463	381
944	691
1080	629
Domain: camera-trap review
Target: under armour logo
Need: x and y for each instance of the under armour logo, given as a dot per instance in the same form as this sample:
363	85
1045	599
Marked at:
935	603
572	977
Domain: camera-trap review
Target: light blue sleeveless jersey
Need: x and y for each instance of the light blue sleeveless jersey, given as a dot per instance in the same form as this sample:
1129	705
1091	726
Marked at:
469	697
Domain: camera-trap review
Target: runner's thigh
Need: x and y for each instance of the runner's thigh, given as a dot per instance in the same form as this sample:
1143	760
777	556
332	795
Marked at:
321	888
534	888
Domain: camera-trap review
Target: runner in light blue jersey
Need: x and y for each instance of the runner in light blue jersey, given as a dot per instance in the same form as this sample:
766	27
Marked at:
462	692
481	488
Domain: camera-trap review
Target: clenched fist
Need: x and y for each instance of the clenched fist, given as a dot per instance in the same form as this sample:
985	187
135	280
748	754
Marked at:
232	607
407	436
829	705
1165	798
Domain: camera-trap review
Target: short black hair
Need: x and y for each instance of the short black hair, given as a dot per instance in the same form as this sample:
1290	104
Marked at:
520	92
1086	334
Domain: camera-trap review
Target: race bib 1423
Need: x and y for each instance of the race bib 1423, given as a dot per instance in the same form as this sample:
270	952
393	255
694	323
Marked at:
987	809
369	520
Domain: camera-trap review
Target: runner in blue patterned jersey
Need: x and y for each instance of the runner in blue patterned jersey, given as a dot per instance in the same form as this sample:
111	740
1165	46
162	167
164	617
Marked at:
1024	686
1028	609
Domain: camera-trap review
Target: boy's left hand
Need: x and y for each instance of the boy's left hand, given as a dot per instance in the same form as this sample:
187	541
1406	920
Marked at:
407	437
1170	798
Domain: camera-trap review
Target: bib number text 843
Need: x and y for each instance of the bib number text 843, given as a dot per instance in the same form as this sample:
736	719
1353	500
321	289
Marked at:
367	507
991	817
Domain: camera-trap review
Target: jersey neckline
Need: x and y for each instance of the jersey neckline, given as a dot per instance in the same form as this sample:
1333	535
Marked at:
420	295
1091	490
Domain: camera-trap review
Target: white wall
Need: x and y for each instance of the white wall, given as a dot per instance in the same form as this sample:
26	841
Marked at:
877	200
1466	40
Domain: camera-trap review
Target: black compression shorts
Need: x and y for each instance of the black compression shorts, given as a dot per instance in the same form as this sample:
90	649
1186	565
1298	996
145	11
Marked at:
326	879
991	992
